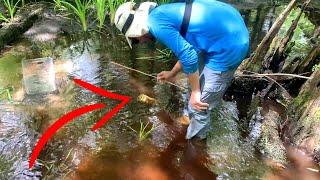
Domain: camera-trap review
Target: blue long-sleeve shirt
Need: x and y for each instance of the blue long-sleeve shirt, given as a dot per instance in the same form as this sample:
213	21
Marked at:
215	28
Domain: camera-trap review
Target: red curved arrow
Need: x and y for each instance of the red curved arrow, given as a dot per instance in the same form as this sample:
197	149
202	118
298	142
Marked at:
105	93
56	126
71	115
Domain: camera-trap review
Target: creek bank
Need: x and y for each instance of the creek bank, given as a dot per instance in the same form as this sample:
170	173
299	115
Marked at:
23	20
303	126
281	51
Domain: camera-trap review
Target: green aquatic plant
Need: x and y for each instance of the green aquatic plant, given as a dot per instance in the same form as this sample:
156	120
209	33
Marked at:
101	9
3	18
143	131
6	92
80	9
163	55
112	6
11	7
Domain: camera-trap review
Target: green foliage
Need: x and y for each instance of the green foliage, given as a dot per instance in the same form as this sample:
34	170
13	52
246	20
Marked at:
101	8
301	36
112	6
80	9
316	68
11	7
3	18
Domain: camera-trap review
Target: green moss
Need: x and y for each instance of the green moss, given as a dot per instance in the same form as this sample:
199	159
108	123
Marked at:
302	99
254	67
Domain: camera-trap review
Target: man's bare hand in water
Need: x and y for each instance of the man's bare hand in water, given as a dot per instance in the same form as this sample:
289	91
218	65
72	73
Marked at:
166	76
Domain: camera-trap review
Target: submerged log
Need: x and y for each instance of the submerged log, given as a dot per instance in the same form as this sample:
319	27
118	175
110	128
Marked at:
255	62
23	20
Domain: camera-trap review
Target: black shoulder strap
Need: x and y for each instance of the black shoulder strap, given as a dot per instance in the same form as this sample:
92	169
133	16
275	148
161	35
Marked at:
186	18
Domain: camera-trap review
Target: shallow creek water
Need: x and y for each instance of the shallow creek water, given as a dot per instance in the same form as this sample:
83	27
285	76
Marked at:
114	151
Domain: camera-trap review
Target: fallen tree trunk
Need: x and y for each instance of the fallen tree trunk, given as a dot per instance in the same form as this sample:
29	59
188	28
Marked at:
23	20
265	43
276	62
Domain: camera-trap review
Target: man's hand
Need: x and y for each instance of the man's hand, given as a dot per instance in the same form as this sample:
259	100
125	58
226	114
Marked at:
196	94
196	103
170	75
166	76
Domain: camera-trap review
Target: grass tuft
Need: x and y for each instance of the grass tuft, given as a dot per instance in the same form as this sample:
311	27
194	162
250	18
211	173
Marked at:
11	6
101	9
80	9
143	131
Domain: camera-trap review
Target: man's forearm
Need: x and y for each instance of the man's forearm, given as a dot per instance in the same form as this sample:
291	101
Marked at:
177	68
194	81
193	78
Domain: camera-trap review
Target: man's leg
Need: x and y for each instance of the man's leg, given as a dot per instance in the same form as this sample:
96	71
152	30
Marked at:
213	86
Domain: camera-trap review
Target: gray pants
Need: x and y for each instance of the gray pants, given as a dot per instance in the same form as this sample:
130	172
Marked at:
213	85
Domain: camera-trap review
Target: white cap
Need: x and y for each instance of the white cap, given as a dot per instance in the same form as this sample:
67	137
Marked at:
133	22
